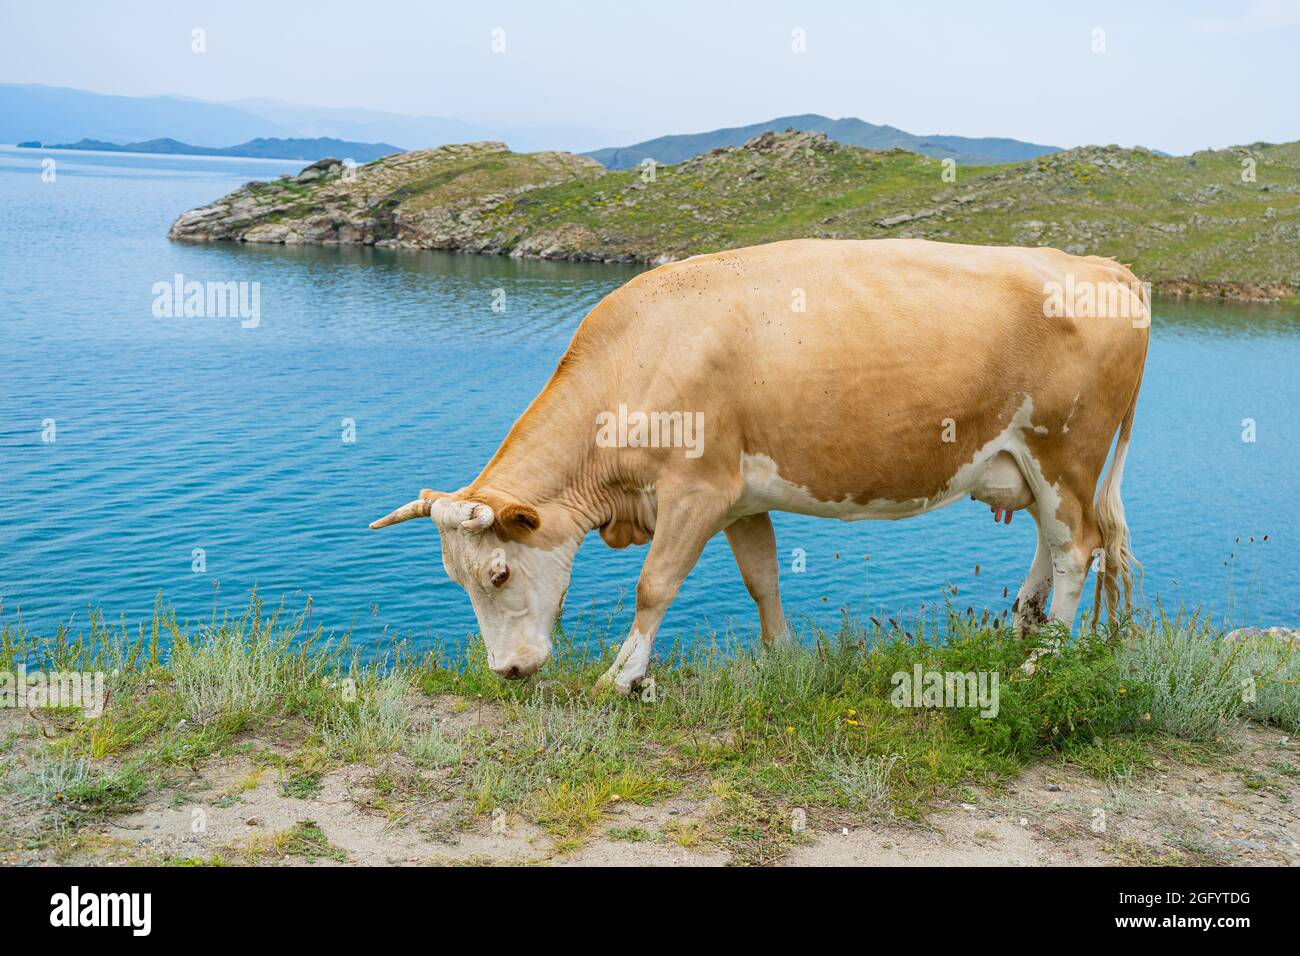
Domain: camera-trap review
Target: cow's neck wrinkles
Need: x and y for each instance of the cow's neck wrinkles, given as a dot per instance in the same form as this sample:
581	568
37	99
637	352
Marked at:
549	460
587	497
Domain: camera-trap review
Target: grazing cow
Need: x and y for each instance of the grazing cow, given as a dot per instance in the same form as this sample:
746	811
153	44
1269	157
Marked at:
845	379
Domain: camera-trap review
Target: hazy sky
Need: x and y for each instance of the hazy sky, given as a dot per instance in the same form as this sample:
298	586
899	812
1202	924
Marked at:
1176	76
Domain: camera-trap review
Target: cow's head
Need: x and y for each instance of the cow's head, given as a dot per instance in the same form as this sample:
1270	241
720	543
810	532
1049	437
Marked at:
491	548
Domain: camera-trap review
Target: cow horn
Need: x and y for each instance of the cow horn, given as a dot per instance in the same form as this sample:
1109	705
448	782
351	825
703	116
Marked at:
416	509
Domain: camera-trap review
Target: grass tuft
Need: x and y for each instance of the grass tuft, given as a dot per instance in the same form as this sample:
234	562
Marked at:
375	722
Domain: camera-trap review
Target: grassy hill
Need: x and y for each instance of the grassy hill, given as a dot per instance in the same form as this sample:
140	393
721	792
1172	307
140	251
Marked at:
1188	224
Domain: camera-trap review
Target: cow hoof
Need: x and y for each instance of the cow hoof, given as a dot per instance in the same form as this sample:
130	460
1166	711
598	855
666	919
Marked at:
1031	665
625	684
618	683
781	640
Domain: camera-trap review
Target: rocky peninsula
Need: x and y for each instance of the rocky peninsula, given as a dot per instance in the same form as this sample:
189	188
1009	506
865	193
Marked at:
1222	223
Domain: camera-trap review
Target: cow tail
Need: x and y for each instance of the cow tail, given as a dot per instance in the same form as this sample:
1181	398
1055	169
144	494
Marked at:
1116	577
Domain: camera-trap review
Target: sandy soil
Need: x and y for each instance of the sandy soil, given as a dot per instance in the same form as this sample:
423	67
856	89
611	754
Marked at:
1241	814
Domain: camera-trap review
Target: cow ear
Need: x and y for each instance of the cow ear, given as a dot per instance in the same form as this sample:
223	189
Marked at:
517	520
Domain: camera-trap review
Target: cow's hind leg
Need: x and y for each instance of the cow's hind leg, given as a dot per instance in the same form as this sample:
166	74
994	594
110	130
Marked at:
1072	556
753	543
1071	533
1031	603
685	522
1002	486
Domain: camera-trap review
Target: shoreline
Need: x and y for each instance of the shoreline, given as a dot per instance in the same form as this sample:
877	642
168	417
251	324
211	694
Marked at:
1246	293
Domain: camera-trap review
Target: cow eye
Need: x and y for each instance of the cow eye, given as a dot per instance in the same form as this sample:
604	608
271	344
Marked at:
499	575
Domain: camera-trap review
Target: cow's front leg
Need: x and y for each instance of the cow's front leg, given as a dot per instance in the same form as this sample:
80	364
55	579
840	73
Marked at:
682	527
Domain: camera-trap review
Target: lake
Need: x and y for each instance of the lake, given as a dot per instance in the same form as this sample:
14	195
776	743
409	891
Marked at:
171	435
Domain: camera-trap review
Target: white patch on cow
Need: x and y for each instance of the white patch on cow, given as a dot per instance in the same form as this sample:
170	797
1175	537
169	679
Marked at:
982	476
1047	499
636	664
649	507
1074	407
631	664
766	490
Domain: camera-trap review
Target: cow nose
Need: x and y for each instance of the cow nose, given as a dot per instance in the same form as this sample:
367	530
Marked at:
517	669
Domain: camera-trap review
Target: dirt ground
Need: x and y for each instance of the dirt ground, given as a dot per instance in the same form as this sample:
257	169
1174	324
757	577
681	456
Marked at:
1241	810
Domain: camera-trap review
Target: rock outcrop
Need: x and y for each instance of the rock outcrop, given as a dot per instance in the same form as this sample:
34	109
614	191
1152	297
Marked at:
1282	635
320	169
426	199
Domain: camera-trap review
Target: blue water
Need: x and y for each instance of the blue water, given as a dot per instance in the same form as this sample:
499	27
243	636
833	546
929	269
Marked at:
174	434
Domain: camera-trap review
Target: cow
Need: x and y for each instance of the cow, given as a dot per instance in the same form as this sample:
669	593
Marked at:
849	379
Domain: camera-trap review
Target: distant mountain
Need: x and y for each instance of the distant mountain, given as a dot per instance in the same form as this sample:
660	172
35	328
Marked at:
319	148
51	114
416	132
421	132
981	151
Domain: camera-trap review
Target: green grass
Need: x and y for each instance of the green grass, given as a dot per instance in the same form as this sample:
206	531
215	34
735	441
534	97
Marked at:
51	777
1270	670
431	748
374	722
1191	687
629	834
302	784
305	840
752	733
